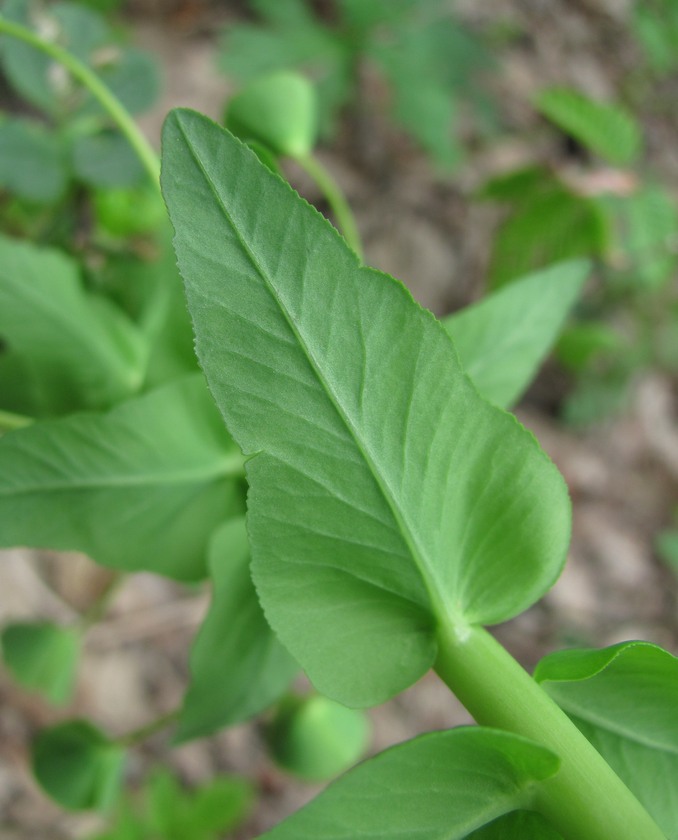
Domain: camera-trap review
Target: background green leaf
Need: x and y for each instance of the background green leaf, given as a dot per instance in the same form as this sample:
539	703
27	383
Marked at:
78	766
43	657
212	809
503	338
382	479
79	350
238	667
625	700
444	784
32	161
140	488
30	71
606	129
106	159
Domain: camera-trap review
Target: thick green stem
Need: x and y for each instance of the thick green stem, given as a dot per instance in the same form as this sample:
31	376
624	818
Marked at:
98	89
335	198
585	800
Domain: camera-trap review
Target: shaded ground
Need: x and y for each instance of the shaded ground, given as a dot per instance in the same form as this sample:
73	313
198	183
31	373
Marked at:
623	474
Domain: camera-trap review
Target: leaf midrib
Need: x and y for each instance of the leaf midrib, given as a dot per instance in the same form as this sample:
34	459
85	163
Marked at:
228	466
408	536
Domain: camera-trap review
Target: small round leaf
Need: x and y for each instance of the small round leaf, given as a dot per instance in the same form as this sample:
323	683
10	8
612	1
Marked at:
42	657
78	766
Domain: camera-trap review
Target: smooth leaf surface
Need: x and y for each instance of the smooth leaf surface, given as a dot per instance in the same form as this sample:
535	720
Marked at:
385	493
140	488
440	786
316	738
625	700
238	666
203	814
106	159
604	128
278	111
503	338
79	349
519	825
77	765
32	161
42	657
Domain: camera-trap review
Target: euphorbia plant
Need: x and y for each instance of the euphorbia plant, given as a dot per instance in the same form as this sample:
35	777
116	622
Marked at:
392	513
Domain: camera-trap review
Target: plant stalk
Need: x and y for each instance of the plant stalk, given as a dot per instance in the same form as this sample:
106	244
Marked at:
585	800
137	736
97	88
336	199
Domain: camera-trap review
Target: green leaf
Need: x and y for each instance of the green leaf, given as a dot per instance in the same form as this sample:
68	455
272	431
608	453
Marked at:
202	814
238	667
440	785
131	75
316	738
582	342
386	495
32	161
647	227
78	766
625	700
429	65
42	657
278	111
519	825
667	547
139	488
80	350
36	76
106	159
606	129
503	338
549	224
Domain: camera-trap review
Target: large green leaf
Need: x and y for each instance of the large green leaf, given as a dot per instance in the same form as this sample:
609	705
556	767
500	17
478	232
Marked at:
606	129
141	487
385	494
78	348
440	785
625	700
238	667
503	338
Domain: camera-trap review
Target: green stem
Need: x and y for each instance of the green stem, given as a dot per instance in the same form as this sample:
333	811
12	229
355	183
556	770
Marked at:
336	199
10	421
137	736
97	609
585	800
98	89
